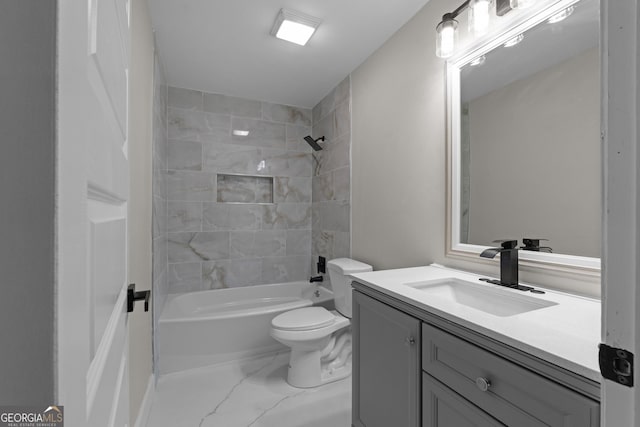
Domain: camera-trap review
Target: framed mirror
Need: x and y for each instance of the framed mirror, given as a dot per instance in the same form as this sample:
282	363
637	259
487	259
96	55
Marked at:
524	140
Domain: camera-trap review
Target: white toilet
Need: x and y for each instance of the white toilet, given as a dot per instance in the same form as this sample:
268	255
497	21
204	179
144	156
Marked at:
320	339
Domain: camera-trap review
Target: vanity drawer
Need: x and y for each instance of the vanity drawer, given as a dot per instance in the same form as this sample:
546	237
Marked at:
515	396
441	407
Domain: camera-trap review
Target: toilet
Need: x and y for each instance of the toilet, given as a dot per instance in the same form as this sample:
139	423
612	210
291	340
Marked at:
320	339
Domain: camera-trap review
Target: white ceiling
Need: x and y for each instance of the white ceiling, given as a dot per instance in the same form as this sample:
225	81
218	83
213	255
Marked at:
224	46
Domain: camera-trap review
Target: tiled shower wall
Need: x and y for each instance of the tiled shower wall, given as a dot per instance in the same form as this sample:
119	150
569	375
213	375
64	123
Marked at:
159	166
332	175
239	205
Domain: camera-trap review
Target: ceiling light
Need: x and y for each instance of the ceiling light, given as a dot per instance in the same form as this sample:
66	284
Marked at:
561	16
514	41
239	132
294	27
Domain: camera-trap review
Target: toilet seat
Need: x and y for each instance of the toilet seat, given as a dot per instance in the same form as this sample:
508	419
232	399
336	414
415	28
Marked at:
304	319
329	325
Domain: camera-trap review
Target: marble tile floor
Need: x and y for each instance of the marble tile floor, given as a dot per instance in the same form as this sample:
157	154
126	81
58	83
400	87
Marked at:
247	393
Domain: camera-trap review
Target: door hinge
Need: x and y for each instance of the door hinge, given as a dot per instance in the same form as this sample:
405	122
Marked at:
616	365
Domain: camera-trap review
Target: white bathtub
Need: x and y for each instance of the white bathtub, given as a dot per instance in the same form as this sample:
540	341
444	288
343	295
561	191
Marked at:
208	327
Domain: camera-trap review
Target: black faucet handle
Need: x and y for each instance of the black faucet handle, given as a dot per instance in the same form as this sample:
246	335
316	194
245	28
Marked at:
507	243
531	244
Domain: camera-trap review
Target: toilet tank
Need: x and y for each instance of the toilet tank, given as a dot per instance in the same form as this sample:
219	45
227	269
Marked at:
339	270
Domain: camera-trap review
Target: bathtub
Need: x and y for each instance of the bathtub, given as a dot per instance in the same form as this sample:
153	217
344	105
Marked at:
208	327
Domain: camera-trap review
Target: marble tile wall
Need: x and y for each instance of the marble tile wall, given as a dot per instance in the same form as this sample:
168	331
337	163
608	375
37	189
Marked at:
159	189
214	244
331	187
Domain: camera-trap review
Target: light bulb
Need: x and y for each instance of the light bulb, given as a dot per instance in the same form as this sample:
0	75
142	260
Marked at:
521	4
479	16
446	37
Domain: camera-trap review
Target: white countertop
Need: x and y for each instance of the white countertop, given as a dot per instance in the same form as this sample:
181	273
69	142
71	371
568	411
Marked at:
566	334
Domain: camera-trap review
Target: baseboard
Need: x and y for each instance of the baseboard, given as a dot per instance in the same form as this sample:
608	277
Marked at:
147	400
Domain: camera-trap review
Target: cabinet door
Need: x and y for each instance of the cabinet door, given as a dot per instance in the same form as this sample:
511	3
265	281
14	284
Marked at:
441	407
386	371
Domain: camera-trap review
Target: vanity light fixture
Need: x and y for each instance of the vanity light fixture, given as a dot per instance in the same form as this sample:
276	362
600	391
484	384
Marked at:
479	17
447	33
514	41
294	27
562	15
479	14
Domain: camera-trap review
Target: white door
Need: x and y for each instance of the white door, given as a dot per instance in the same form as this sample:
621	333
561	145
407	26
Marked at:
92	186
621	225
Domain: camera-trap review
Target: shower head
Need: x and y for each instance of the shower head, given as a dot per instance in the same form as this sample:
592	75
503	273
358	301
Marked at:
314	142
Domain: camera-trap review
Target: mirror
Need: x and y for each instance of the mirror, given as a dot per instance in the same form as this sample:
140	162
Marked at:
524	112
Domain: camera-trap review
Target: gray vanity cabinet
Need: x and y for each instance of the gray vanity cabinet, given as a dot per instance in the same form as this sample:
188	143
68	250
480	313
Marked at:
418	369
508	392
386	369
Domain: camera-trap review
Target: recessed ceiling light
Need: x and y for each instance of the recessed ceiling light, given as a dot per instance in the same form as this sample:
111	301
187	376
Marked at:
294	27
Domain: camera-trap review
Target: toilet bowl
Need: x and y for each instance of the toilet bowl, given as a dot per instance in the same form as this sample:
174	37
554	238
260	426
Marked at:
320	339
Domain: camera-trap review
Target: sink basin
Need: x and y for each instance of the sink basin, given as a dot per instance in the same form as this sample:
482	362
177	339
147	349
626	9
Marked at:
495	301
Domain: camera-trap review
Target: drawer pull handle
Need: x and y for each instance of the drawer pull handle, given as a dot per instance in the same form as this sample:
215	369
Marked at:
410	341
483	384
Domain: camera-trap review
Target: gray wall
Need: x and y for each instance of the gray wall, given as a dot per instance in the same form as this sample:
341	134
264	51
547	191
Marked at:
398	147
140	200
159	203
27	132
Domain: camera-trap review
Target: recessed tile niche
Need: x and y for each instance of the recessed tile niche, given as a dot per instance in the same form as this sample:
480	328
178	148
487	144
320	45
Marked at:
244	189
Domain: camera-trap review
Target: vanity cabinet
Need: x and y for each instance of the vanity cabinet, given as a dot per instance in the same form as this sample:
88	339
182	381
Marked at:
460	377
386	352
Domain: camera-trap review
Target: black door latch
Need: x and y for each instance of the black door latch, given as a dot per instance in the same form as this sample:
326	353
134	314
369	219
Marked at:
616	365
133	296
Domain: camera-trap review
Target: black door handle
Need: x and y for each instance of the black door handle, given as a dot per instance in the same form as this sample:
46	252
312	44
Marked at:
133	296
